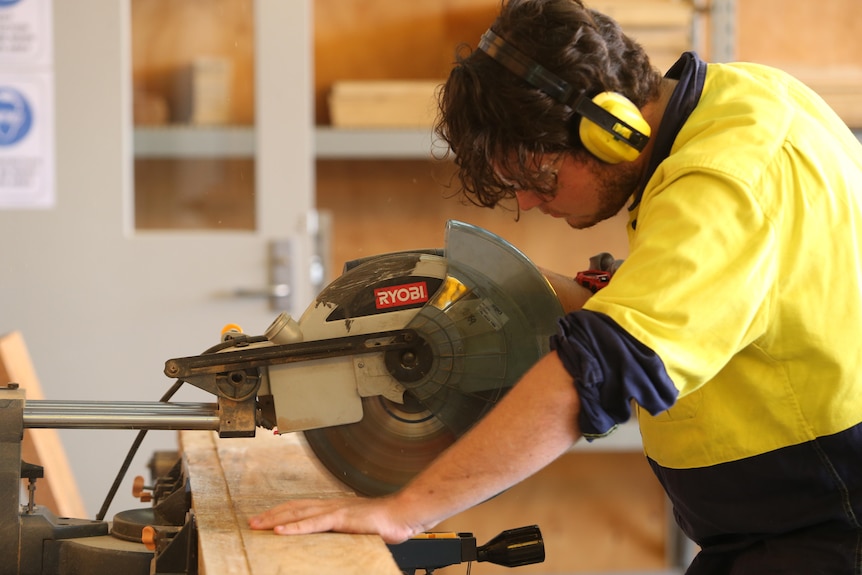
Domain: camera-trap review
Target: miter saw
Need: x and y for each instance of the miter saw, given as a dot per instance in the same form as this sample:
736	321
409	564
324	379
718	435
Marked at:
392	362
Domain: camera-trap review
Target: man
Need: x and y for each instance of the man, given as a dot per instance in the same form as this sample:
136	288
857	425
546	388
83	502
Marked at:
733	326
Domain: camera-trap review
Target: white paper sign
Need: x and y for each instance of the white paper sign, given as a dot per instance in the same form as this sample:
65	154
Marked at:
26	141
26	105
25	34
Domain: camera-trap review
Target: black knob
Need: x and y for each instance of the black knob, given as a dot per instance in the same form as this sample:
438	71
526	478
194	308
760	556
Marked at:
31	471
514	547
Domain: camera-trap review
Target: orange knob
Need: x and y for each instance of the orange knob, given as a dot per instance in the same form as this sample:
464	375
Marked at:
148	537
137	486
229	329
139	490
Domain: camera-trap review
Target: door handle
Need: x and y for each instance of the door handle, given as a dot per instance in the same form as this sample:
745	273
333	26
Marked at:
291	269
278	291
275	290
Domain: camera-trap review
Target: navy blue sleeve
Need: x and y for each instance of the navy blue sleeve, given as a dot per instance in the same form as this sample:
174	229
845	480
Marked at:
610	368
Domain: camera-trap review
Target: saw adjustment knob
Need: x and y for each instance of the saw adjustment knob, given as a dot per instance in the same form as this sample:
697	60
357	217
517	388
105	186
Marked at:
148	537
141	491
230	331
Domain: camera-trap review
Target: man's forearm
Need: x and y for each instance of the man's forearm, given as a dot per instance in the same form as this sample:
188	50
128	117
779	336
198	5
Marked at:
533	425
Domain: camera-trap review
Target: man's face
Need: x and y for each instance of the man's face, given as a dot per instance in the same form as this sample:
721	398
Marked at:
587	191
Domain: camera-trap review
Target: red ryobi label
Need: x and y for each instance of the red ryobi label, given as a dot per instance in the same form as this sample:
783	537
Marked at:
401	295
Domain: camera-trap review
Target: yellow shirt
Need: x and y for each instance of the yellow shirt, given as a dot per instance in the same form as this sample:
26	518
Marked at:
745	273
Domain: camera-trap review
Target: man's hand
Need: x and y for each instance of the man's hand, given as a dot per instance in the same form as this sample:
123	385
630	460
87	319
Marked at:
344	515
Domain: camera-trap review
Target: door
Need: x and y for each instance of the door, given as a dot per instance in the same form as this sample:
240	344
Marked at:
102	305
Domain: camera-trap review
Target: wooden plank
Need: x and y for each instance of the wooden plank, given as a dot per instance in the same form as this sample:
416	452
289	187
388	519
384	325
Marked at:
219	543
384	103
58	490
233	479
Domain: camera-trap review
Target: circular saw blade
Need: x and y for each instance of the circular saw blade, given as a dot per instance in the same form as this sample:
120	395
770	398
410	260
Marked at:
488	320
381	453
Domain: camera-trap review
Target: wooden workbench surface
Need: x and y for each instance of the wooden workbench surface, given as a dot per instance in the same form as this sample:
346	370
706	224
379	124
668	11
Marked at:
233	479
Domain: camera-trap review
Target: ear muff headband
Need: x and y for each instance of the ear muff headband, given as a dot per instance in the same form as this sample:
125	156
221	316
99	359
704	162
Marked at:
615	130
523	66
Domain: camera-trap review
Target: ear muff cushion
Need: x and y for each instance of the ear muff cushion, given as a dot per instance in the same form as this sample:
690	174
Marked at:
602	143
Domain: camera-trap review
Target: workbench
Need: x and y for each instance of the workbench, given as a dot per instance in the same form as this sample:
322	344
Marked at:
233	479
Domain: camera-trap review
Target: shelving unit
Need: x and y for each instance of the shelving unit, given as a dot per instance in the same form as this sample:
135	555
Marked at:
240	141
194	142
340	143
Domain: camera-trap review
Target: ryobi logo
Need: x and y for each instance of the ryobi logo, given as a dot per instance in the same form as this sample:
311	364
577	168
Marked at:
401	295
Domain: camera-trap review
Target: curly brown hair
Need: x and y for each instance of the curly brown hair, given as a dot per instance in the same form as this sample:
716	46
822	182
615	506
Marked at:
496	124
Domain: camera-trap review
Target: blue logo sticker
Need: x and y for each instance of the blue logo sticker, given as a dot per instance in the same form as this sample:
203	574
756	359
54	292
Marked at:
15	116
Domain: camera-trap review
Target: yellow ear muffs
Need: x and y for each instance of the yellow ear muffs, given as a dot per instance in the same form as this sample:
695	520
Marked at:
612	143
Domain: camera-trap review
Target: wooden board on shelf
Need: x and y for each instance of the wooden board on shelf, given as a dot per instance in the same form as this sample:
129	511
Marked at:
383	103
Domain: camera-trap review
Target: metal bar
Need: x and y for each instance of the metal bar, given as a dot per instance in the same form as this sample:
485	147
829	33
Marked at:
118	406
120	415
